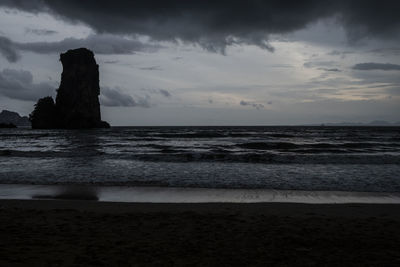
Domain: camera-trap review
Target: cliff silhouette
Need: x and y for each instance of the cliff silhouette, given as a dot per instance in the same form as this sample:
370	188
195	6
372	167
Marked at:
77	103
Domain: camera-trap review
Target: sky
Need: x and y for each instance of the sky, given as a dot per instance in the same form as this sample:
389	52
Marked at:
211	62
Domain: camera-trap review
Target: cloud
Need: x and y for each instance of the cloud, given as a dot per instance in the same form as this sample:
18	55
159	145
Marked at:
339	53
333	69
151	68
7	49
376	66
217	24
40	31
254	105
162	92
393	91
386	51
283	66
99	43
342	54
165	93
319	64
111	62
114	97
18	84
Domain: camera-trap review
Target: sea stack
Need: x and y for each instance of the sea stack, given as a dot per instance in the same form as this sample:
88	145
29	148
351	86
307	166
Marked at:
77	103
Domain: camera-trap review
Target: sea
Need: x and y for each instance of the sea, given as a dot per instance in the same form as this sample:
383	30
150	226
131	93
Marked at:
313	158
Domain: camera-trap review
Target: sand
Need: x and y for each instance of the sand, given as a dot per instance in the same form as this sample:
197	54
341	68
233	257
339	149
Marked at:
90	233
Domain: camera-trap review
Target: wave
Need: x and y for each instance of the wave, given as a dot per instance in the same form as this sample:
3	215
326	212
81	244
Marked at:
49	154
20	135
211	135
268	145
268	158
191	135
281	135
155	146
327	146
167	153
178	156
143	139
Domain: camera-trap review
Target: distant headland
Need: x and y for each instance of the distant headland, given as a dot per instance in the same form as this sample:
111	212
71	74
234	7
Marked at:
77	103
10	119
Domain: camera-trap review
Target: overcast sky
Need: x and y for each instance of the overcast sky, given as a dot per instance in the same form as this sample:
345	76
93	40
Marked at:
220	63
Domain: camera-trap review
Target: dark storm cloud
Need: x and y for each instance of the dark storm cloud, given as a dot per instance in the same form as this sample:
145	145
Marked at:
252	104
18	84
216	24
113	97
99	43
7	49
376	66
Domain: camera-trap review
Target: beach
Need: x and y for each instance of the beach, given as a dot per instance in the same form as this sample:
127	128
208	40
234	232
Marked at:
91	233
199	133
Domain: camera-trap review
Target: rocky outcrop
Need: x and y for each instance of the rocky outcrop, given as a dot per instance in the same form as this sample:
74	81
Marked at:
44	116
77	102
10	117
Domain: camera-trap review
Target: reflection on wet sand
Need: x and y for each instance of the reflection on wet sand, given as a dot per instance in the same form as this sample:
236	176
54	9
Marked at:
72	192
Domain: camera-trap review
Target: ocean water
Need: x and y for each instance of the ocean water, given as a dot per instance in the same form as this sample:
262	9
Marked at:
282	158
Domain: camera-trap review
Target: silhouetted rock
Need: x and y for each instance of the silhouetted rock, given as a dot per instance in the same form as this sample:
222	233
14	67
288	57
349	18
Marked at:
7	117
44	116
78	96
77	102
7	125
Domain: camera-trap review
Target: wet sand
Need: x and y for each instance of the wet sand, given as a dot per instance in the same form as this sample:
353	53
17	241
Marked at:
90	233
154	194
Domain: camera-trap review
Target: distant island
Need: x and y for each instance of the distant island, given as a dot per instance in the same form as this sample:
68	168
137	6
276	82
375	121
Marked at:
372	123
77	103
10	118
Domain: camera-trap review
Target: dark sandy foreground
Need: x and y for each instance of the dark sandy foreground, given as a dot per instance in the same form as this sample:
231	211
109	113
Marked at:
79	233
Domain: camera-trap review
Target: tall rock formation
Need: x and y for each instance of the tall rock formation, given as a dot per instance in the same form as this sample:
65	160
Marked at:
77	102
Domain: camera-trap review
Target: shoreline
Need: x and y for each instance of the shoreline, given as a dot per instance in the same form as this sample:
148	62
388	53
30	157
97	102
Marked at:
92	233
351	210
156	194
